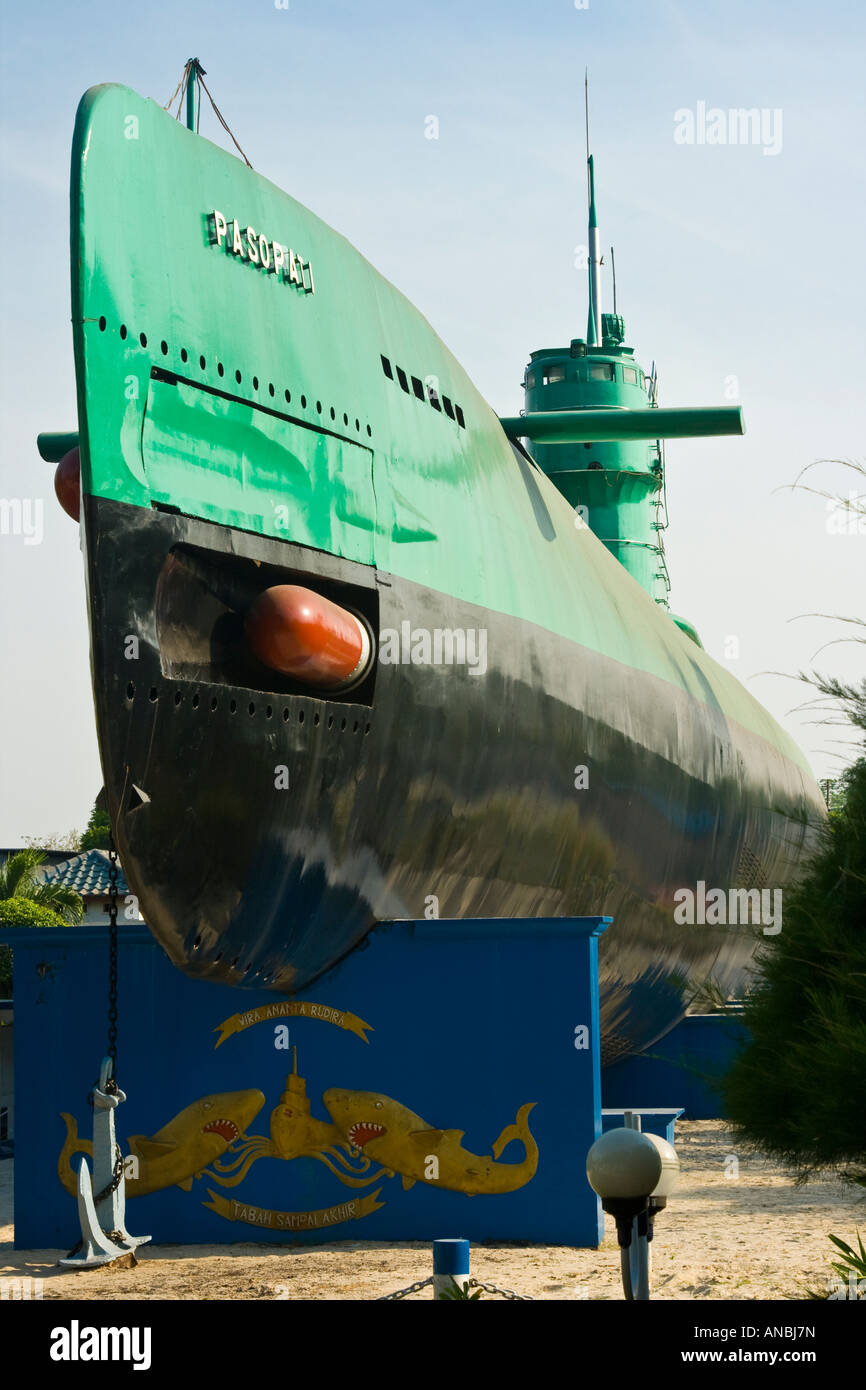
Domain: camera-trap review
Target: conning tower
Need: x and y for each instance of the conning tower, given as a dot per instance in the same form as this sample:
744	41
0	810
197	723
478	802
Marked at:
617	487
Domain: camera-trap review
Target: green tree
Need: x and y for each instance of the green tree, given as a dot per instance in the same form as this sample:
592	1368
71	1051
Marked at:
98	832
18	879
68	841
23	912
798	1089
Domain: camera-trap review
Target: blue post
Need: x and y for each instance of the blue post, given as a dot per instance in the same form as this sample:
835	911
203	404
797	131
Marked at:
450	1264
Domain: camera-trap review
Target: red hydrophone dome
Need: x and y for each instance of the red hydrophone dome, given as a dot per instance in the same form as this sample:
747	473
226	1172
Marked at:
67	483
304	635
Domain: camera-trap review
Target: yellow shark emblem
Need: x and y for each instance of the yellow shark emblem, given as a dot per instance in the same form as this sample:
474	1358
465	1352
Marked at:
400	1140
181	1149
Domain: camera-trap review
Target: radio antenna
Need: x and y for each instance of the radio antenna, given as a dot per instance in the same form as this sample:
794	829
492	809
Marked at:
593	326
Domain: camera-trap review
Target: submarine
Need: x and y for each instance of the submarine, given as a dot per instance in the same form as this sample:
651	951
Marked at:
362	650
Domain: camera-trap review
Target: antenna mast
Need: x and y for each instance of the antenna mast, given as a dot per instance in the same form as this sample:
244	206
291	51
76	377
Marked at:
593	327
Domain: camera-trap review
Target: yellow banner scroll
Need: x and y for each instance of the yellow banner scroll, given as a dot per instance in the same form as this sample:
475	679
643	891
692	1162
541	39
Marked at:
266	1013
353	1210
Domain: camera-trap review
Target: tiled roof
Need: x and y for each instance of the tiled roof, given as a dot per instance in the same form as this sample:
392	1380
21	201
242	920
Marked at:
87	873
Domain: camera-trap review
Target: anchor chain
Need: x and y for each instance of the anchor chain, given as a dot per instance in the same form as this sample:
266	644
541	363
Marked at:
115	1180
404	1293
473	1284
112	965
503	1293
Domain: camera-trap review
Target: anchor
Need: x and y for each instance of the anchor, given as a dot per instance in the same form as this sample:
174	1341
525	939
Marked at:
104	1236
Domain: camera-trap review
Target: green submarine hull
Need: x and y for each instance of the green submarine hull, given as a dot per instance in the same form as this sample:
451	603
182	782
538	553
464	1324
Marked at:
258	406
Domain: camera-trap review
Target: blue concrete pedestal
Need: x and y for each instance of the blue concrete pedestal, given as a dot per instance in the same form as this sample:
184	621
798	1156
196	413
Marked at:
412	1058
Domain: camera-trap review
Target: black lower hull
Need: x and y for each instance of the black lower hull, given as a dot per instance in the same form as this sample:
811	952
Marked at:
427	783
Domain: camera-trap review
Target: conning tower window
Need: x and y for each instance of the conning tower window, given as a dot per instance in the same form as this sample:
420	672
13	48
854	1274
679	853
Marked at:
553	373
629	374
602	371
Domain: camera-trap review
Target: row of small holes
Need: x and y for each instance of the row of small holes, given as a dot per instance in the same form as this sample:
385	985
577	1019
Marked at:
153	696
418	388
272	390
233	964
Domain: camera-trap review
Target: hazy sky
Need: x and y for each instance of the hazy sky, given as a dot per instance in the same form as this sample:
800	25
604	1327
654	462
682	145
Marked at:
731	263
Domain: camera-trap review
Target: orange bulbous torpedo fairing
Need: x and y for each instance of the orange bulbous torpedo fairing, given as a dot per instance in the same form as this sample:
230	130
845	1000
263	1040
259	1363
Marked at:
67	483
304	635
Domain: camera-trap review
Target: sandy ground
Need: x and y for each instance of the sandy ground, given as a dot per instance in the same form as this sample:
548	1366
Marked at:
753	1236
